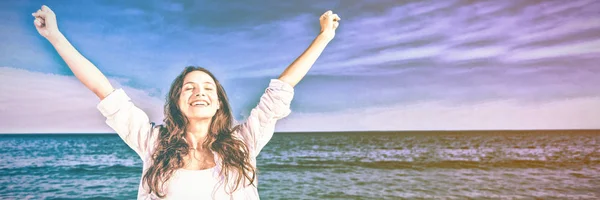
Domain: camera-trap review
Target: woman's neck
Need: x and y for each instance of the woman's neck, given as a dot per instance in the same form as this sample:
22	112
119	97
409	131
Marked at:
196	132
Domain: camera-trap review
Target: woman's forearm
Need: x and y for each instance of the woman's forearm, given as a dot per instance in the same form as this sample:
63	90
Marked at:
298	69
83	69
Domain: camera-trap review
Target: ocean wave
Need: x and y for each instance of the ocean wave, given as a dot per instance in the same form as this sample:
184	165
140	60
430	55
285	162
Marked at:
14	162
95	197
446	164
104	169
72	170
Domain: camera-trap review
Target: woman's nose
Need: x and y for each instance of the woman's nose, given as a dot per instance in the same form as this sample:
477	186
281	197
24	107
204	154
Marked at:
200	92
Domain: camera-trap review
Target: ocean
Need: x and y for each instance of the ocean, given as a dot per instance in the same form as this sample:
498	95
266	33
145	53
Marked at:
346	165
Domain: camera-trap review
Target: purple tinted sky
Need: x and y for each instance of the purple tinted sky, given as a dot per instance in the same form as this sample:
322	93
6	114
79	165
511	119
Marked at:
386	53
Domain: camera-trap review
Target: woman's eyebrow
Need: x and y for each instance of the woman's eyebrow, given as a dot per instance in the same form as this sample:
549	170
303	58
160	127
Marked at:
208	82
189	82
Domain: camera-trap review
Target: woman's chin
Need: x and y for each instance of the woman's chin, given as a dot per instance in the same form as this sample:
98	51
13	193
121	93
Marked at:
200	116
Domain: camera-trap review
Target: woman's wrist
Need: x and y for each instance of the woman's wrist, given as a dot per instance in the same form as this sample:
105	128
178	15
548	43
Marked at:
324	36
56	38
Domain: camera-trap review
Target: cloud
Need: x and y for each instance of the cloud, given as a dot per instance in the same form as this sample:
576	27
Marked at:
587	47
33	102
582	113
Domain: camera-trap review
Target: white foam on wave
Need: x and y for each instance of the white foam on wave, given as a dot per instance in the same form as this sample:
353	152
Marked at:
68	160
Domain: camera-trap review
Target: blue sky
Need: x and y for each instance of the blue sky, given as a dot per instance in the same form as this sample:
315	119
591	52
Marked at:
388	56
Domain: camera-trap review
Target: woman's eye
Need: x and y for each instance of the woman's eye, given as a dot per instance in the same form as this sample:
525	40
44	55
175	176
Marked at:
208	88
188	89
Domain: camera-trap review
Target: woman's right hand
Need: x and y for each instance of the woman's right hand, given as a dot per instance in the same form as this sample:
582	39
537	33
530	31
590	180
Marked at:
45	23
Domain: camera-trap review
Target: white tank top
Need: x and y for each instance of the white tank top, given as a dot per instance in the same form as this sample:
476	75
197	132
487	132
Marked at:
194	184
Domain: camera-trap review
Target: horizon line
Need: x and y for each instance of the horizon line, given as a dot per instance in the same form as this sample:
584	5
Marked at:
366	131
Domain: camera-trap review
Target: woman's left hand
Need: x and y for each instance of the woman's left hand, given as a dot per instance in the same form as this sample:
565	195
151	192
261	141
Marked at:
329	22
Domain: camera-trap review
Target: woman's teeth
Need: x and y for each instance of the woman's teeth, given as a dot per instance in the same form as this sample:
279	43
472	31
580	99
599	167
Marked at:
199	104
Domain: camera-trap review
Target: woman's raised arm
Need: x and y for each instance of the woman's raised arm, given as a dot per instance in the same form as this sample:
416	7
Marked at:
275	103
131	123
84	70
298	69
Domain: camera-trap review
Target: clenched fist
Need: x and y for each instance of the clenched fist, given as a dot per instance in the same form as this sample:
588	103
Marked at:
45	23
329	22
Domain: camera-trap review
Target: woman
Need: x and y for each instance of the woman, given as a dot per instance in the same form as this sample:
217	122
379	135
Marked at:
198	153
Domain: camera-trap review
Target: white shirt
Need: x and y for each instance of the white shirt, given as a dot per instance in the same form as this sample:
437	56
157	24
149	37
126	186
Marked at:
134	127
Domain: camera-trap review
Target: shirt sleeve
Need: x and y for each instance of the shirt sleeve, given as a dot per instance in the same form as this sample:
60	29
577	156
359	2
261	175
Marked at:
274	104
131	123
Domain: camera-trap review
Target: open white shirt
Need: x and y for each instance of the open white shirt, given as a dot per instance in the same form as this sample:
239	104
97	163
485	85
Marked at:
134	127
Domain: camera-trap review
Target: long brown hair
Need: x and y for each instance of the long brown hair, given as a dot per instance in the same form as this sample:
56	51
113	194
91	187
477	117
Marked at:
172	147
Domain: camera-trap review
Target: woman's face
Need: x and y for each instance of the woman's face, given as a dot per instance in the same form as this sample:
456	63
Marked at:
198	99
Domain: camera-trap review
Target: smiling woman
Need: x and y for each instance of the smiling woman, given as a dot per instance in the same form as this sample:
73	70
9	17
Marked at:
198	153
199	140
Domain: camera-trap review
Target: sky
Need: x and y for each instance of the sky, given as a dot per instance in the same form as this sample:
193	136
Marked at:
393	65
